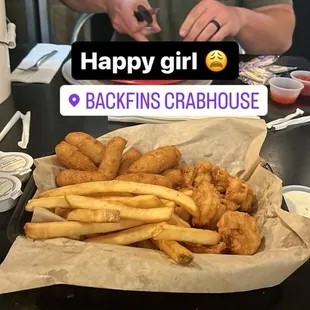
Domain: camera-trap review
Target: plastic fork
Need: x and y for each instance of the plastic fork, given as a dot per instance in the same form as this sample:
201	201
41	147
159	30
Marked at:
39	62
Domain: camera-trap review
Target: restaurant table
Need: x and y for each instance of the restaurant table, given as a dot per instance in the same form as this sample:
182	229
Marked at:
286	151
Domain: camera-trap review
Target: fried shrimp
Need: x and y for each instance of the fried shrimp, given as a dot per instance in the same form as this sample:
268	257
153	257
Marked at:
224	206
239	231
230	205
220	248
203	172
208	201
237	191
189	174
248	202
221	209
220	178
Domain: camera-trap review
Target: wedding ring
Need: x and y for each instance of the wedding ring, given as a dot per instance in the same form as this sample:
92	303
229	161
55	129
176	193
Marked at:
216	24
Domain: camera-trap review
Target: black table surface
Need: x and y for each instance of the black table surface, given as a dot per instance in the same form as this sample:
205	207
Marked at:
286	151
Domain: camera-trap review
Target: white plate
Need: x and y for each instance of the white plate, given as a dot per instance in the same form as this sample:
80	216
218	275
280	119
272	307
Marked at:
66	72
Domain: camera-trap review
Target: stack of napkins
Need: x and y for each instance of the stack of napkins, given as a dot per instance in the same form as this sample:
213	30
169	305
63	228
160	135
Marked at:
47	70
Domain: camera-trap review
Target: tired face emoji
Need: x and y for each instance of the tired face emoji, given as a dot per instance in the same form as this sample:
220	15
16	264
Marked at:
216	61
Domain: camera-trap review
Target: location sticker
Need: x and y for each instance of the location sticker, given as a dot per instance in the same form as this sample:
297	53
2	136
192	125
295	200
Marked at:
74	100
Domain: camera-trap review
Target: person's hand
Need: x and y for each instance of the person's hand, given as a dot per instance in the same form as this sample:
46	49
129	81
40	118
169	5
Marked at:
199	24
123	20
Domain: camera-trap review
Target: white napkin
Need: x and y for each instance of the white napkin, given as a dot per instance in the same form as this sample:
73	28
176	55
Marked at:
47	70
26	128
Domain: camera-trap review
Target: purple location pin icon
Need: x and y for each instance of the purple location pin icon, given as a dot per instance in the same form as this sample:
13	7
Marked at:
74	100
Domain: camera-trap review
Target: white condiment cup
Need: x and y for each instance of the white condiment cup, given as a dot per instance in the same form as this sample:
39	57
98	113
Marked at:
10	190
16	164
297	198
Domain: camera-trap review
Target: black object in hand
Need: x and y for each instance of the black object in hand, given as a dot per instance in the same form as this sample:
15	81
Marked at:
143	15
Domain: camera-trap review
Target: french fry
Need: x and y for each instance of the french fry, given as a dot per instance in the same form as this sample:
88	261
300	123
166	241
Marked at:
129	236
46	203
114	194
176	251
169	204
94	216
112	157
164	200
178	221
193	235
186	191
122	186
67	229
62	212
128	159
142	201
152	215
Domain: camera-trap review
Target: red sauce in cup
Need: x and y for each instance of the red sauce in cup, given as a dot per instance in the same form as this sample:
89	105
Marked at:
282	99
303	77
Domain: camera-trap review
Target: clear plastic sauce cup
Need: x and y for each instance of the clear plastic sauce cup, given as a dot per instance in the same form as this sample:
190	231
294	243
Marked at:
303	77
285	90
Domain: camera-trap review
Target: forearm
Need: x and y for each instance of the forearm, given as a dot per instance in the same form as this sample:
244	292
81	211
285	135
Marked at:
268	31
86	6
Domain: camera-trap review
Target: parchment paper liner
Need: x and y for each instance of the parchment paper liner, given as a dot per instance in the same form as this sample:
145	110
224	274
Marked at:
231	143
